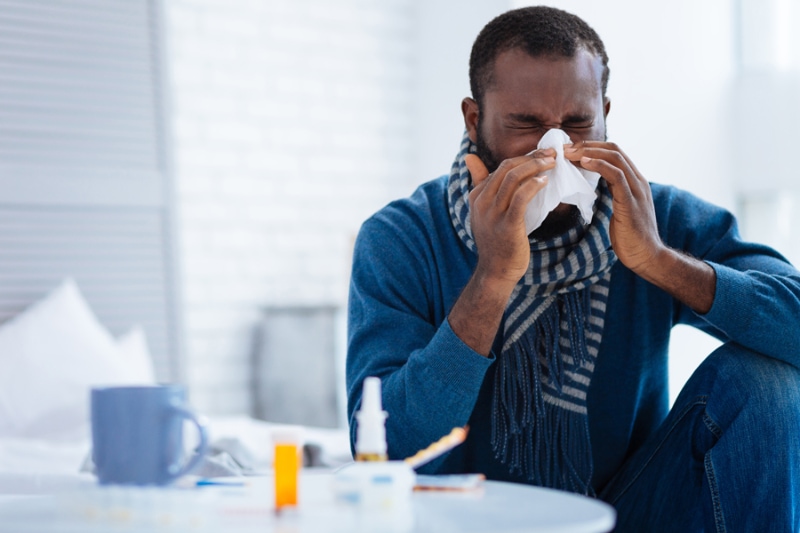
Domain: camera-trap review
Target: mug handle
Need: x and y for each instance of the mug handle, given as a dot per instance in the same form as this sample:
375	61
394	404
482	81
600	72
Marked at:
175	471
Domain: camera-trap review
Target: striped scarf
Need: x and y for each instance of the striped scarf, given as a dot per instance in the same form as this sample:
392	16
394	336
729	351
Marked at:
552	328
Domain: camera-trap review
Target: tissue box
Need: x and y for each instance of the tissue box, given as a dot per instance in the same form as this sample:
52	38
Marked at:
375	485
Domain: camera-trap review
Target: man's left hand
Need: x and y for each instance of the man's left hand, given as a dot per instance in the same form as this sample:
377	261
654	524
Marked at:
633	230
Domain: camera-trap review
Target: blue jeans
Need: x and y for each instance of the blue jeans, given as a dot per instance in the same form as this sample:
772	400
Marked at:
727	457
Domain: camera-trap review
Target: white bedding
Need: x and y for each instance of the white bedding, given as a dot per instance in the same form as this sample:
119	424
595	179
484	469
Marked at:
50	357
239	446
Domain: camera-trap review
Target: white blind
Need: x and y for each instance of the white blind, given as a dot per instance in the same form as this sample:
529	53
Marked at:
82	166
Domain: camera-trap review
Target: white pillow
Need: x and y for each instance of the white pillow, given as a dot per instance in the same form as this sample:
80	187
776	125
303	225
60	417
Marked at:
136	356
50	357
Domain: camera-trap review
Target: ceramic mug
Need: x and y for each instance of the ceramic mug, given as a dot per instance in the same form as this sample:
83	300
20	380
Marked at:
137	434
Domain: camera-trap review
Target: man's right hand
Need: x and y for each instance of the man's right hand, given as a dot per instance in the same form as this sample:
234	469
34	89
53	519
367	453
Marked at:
497	205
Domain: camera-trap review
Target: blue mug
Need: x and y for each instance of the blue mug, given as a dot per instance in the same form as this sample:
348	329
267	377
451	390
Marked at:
137	434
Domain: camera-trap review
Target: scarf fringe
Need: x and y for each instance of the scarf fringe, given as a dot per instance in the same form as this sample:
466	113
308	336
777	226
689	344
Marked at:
527	430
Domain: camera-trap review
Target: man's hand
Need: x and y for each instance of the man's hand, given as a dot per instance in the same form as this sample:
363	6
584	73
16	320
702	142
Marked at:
497	206
634	232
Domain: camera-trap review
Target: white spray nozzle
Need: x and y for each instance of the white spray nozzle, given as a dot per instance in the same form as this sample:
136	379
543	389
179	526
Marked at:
371	431
371	396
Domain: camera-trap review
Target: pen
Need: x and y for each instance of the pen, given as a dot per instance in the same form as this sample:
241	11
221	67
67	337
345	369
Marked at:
212	483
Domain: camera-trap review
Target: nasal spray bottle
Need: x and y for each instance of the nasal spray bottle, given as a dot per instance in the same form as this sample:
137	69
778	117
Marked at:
371	430
373	483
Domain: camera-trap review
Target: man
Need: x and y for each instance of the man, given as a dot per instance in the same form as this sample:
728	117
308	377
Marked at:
552	346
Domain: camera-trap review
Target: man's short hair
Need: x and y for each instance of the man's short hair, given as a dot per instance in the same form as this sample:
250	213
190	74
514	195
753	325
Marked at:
539	31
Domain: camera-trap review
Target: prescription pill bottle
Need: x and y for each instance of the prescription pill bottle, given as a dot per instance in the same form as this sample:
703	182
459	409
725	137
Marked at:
287	464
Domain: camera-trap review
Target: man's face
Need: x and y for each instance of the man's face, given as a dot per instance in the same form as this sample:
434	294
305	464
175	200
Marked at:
530	95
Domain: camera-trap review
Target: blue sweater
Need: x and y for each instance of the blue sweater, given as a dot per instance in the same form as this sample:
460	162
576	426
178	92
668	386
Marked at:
410	267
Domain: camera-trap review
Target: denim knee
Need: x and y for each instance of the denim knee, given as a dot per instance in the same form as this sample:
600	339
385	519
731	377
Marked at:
747	439
734	379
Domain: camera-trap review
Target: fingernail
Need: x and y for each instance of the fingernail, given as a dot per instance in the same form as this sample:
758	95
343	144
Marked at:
585	159
569	148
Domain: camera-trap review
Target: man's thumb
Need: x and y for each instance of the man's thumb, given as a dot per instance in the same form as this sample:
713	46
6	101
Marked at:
477	169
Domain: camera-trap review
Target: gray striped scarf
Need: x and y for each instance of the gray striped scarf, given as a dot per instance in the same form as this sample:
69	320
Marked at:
552	329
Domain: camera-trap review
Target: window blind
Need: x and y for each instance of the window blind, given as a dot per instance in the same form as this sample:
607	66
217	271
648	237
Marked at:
83	167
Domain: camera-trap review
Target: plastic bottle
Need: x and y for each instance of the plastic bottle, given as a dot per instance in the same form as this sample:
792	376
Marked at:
287	468
371	430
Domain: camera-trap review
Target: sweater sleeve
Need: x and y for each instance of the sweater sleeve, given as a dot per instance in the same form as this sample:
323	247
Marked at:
430	378
757	296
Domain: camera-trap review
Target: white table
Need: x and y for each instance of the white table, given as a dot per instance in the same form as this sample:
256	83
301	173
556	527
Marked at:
496	507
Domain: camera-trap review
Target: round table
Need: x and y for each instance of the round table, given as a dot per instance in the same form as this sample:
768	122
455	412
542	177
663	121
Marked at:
494	507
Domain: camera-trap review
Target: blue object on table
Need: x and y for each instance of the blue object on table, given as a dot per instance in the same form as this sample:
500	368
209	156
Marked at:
212	483
137	434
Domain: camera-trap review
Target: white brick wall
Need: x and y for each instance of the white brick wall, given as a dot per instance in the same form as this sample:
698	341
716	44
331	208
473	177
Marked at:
291	125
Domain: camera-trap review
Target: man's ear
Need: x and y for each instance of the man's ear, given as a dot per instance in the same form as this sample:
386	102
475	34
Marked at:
606	106
469	108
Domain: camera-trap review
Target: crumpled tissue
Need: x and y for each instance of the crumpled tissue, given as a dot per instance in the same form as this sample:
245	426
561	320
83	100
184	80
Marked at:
566	184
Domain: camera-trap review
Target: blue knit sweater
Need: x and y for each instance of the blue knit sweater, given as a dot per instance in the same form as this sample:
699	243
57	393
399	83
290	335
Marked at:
409	269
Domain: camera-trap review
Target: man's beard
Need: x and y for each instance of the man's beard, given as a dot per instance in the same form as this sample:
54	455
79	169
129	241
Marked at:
554	224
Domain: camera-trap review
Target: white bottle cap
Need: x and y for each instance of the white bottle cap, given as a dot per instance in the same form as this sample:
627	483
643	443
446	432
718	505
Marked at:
371	431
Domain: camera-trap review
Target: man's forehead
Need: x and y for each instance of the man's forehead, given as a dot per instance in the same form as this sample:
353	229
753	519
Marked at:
513	67
520	80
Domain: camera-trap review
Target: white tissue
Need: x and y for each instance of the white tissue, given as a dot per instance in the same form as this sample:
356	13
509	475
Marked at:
566	184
